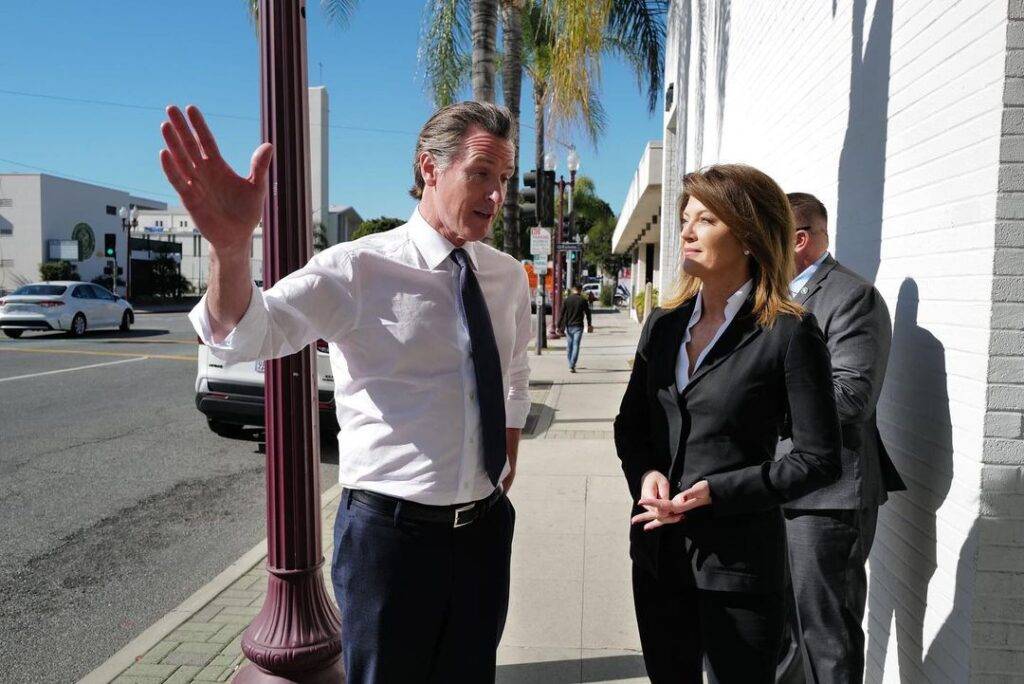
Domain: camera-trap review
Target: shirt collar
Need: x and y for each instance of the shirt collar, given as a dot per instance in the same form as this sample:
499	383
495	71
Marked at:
432	246
807	274
732	304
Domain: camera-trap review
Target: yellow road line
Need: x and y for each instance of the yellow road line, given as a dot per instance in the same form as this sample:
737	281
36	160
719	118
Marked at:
30	350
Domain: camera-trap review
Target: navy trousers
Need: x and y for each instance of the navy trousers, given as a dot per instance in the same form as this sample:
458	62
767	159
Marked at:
420	602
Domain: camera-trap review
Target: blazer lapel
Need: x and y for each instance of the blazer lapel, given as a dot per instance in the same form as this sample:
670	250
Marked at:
667	391
742	329
814	284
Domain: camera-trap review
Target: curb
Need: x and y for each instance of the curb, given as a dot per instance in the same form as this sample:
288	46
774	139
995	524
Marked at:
140	645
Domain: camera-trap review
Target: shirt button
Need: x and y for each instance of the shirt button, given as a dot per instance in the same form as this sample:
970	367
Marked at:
472	395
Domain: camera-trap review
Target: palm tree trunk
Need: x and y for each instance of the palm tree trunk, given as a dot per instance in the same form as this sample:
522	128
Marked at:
484	20
512	80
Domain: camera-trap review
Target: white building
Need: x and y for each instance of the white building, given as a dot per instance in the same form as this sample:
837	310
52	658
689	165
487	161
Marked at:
319	138
47	218
342	222
908	123
638	231
174	224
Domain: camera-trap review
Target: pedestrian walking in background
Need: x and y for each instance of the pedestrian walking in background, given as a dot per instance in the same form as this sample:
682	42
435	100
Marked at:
714	370
575	308
830	530
427	328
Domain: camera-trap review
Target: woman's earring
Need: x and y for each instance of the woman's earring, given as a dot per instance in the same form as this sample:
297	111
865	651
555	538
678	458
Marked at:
746	252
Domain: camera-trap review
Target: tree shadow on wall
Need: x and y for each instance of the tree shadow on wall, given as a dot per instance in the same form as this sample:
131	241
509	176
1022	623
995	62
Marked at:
918	433
862	160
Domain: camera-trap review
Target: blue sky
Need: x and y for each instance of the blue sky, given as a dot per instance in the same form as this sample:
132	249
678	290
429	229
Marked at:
148	54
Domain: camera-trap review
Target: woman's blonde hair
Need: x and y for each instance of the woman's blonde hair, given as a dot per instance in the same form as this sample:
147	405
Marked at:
757	212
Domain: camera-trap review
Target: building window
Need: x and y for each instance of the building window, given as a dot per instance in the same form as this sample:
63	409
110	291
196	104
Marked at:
6	263
197	245
6	202
6	228
112	211
160	224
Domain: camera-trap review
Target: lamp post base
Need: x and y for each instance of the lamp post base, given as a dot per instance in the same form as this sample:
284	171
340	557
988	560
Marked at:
295	637
250	674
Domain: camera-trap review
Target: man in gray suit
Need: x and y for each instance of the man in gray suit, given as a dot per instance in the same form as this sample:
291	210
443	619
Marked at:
830	531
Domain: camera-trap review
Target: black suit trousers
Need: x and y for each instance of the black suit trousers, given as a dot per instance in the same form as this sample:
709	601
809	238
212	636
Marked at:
738	634
824	642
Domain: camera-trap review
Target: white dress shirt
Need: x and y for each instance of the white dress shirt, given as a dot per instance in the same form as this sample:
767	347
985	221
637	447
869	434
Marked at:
732	306
805	276
404	383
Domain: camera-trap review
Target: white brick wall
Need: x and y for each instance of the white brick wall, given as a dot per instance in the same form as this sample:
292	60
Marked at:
998	626
908	122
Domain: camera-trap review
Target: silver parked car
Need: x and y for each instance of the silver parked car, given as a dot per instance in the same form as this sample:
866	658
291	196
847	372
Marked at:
68	305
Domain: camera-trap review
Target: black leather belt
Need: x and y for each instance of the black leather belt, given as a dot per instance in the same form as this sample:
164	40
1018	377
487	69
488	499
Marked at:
456	515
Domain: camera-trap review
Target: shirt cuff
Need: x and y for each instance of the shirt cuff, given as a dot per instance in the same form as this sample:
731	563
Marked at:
242	343
516	411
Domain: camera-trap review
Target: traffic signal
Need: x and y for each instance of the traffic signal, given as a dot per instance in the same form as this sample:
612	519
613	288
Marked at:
528	198
565	235
110	245
546	209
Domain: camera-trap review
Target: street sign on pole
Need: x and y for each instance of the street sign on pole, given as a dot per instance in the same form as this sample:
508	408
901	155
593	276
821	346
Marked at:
540	241
540	265
570	246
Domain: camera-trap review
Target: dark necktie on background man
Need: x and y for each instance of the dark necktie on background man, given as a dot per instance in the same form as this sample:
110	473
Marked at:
486	366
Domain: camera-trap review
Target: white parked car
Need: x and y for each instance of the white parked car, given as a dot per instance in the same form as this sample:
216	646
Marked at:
231	394
63	305
592	291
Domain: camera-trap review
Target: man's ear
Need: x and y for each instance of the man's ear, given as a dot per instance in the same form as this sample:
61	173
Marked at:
802	238
428	169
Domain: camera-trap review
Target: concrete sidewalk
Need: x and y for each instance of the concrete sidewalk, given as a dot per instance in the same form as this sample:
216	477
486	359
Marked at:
570	614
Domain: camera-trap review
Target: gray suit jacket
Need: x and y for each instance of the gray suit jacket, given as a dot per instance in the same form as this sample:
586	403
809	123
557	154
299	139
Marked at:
855	321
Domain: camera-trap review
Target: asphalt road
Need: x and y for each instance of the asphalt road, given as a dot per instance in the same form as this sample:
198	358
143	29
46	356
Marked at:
116	501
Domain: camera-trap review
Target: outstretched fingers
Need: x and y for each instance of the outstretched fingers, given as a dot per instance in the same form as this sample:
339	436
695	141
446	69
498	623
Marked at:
206	139
179	181
185	134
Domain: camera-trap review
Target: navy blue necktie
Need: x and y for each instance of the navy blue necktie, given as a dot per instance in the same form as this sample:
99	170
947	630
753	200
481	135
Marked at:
490	393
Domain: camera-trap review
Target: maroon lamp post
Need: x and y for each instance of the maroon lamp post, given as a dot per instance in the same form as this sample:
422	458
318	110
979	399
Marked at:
296	636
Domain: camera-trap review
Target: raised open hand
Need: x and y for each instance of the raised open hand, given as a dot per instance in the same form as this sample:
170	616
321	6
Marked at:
662	511
225	207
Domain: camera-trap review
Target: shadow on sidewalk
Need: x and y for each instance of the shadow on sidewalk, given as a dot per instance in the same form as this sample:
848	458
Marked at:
609	668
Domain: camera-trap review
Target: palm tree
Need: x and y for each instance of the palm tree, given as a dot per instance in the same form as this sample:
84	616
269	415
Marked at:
484	22
512	81
634	30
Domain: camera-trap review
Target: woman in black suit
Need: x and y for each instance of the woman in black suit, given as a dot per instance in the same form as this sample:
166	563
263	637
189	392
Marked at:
717	371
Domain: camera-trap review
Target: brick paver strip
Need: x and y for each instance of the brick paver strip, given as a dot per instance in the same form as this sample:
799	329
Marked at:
201	639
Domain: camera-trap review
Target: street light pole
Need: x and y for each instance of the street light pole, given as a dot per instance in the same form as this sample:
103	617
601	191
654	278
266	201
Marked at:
129	220
556	279
296	636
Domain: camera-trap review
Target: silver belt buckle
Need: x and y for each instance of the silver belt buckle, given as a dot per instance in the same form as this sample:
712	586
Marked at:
458	514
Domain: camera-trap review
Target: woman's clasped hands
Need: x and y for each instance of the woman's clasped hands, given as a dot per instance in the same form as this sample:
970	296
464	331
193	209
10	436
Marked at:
660	509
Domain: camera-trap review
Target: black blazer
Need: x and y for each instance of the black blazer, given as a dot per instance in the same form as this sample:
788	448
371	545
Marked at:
723	428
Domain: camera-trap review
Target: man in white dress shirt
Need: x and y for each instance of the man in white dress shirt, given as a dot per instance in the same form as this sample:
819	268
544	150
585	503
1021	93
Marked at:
428	329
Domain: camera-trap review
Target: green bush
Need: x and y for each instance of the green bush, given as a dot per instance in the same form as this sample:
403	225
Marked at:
606	295
638	301
58	270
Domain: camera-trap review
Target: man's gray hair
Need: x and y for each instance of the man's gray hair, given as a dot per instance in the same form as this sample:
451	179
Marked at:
443	133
